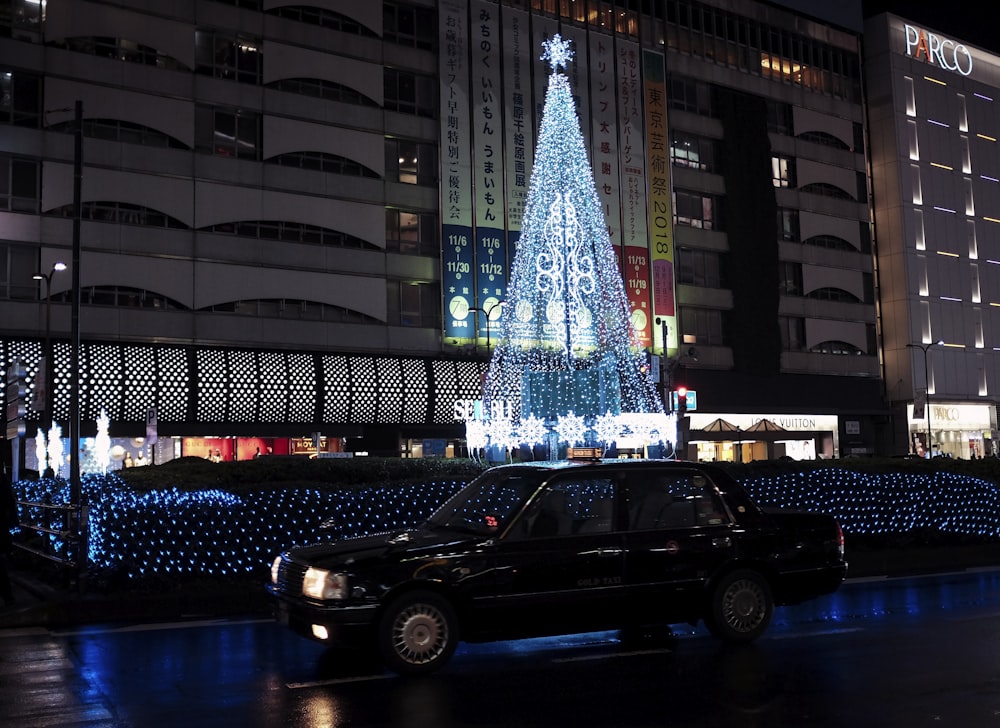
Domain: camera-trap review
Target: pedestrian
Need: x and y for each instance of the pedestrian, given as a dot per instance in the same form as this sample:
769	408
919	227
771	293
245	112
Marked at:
8	520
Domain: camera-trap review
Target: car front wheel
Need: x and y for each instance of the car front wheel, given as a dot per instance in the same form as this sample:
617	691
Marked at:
418	633
740	607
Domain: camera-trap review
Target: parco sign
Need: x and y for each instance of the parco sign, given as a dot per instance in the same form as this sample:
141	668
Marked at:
937	51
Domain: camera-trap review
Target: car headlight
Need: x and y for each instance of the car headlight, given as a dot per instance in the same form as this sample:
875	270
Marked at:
323	584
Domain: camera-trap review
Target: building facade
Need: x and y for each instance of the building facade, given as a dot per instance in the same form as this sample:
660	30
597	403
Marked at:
293	220
936	164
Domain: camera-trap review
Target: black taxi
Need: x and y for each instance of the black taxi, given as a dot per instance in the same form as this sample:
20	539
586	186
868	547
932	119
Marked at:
538	549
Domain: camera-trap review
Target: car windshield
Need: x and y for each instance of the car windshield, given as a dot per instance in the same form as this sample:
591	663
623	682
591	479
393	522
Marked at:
487	503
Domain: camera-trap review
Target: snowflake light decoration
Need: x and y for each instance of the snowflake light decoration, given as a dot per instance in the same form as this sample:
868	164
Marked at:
571	428
532	430
557	52
500	432
607	428
475	434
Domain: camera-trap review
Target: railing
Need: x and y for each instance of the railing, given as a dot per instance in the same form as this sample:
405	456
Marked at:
57	532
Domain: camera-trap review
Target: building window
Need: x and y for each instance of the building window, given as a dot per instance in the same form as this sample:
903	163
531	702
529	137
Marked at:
292	232
695	152
793	333
696	209
322	89
227	132
20	98
790	278
788	224
245	4
410	162
223	55
828	190
409	26
122	213
412	233
324	19
323	162
782	171
841	348
19	191
700	268
21	15
18	263
827	140
410	93
122	49
831	242
123	131
704	323
832	293
122	296
779	117
414	303
688	95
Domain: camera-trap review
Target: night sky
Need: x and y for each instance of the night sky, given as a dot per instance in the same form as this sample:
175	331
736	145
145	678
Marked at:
972	23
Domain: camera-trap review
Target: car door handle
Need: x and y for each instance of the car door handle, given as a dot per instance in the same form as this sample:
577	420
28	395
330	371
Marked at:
723	542
609	552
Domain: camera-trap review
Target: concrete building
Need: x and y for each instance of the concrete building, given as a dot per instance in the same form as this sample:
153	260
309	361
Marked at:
299	220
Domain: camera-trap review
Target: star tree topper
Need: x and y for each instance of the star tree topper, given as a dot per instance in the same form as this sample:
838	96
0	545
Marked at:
557	52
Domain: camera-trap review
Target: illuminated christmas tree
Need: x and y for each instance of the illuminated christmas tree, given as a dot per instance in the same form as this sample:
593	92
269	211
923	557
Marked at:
567	354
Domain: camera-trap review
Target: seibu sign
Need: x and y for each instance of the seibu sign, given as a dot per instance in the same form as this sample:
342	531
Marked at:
937	51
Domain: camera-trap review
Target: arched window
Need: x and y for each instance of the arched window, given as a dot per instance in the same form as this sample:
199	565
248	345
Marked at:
833	294
836	347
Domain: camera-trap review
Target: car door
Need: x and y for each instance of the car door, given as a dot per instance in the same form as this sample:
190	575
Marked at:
678	534
559	568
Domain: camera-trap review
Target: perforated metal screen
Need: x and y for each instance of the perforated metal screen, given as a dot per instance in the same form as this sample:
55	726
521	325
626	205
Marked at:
236	386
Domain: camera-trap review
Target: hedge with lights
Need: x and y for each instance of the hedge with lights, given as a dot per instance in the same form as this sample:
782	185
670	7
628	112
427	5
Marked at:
188	532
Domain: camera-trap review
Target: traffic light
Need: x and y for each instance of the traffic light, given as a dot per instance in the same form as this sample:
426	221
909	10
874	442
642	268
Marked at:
682	396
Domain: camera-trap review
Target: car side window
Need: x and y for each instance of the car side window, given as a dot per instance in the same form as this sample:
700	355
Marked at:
571	507
673	500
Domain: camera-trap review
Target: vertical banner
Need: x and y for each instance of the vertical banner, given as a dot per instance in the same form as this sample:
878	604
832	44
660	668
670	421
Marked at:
457	248
542	28
519	143
604	119
635	254
578	71
661	231
488	125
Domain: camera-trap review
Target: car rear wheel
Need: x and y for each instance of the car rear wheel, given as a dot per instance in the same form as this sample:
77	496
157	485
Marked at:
741	607
418	633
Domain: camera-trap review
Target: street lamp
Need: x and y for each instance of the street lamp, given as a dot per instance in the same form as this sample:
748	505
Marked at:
927	385
49	359
488	312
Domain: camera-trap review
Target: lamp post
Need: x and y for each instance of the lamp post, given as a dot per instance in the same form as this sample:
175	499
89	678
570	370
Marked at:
49	358
488	312
927	385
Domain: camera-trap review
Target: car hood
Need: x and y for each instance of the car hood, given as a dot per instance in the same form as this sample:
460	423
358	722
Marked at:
402	543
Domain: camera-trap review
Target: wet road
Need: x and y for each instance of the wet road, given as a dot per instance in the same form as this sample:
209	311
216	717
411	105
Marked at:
902	652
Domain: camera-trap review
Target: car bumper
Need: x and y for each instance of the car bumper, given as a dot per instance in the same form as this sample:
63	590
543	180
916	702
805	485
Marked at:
340	626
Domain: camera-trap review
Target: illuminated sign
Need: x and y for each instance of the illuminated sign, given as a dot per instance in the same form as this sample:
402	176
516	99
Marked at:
937	51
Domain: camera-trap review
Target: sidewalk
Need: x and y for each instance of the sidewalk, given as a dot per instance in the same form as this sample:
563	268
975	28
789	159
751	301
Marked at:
41	602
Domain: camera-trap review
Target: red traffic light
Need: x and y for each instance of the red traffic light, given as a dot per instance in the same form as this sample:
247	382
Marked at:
682	392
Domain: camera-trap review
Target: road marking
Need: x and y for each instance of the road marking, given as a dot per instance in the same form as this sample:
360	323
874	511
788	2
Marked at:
335	681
